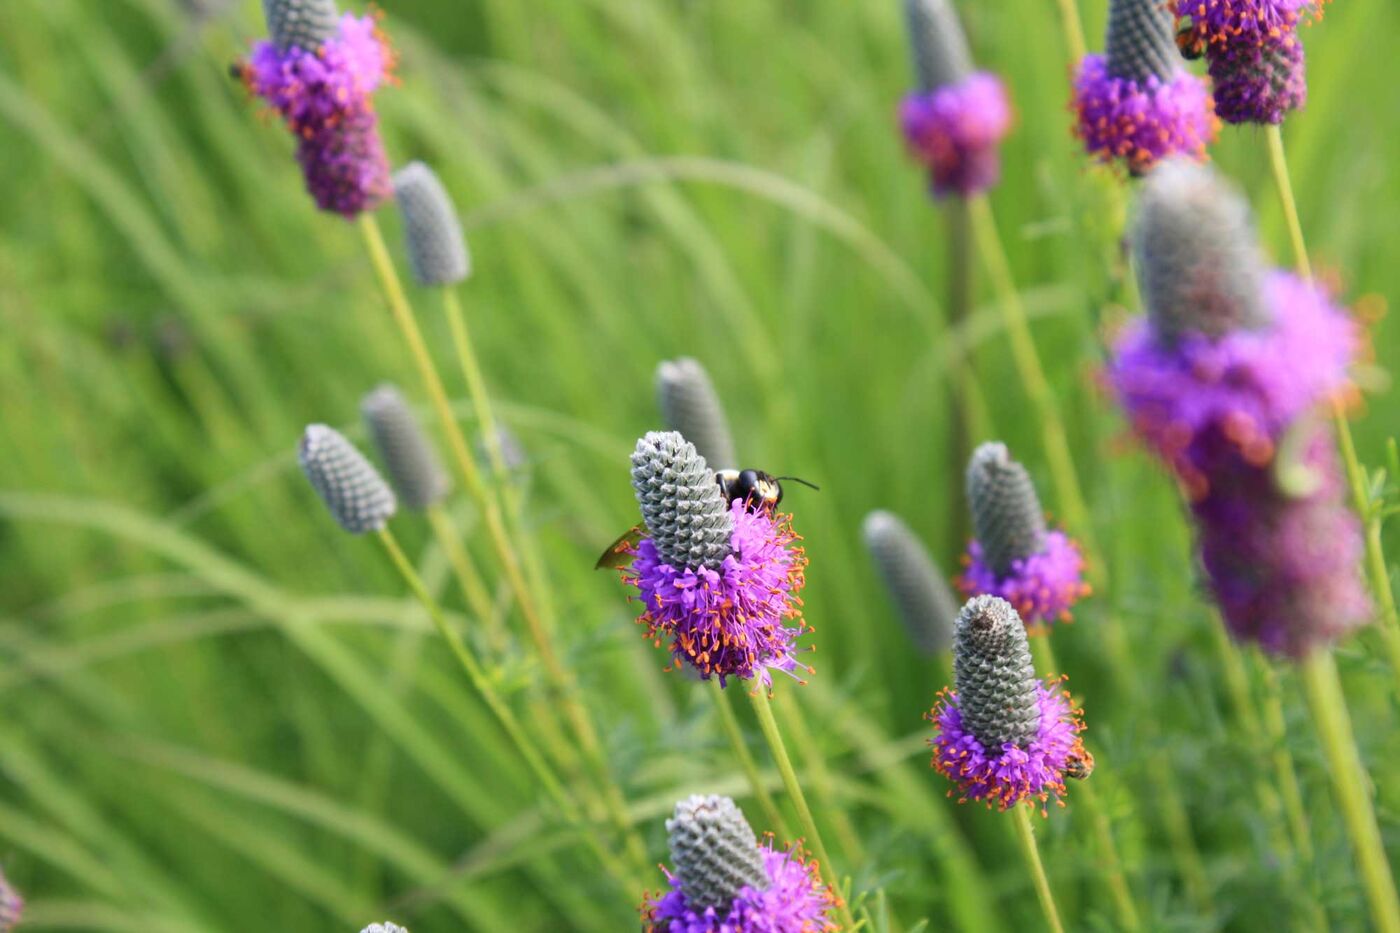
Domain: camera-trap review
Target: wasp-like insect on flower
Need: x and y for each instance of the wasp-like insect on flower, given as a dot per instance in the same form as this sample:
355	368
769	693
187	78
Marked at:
755	488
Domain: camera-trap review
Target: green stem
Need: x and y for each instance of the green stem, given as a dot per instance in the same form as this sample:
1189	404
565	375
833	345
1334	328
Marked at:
1025	833
730	723
1073	28
814	765
964	378
1278	162
1349	783
503	713
468	577
561	682
769	726
1032	374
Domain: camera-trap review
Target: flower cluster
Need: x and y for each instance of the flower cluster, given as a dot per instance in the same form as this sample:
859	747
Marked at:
1254	54
1135	103
322	86
727	882
1002	735
1014	556
718	580
954	131
1221	380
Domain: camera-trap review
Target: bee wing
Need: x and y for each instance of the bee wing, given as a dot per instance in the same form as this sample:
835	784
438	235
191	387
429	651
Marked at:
620	551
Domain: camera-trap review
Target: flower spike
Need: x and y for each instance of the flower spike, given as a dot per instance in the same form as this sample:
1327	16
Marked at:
409	458
690	406
925	603
354	492
436	248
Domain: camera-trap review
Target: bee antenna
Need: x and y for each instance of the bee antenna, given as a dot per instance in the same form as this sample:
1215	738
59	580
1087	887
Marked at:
798	479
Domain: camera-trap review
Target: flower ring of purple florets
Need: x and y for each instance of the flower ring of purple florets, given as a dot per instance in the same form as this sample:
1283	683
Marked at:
1217	24
1042	587
1011	774
795	901
1202	399
1142	122
324	97
954	130
737	620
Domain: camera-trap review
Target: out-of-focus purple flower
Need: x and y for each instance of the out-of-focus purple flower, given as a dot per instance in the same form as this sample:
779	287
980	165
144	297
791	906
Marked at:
1141	121
795	901
1284	566
11	905
1043	587
1002	735
954	131
1200	401
739	619
324	95
1255	56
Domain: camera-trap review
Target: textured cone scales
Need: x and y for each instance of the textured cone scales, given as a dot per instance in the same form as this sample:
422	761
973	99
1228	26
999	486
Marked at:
409	458
926	605
681	503
940	48
993	674
301	23
356	495
1006	512
384	928
1141	40
715	852
432	233
1197	263
690	406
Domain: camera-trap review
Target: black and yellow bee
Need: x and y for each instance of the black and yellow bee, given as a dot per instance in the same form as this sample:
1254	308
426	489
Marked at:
756	489
1080	764
1189	41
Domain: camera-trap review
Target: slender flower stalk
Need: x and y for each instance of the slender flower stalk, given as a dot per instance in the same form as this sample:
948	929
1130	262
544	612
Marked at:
1025	835
726	881
730	723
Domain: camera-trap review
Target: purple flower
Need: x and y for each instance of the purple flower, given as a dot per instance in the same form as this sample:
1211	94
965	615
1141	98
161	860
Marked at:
1254	54
11	906
1200	401
795	901
324	95
739	619
1233	23
954	131
1141	121
1010	774
1283	566
1043	586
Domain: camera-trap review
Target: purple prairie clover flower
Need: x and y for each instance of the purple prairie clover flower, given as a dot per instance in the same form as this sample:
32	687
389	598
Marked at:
1014	555
725	881
1283	566
1135	103
954	132
1002	735
1254	55
11	905
717	580
324	95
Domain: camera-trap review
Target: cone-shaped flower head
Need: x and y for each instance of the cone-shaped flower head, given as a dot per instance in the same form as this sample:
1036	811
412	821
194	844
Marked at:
11	906
385	927
1255	57
719	581
354	492
409	457
925	603
954	122
1136	103
319	73
1003	735
1014	555
690	406
1229	354
725	881
303	24
432	233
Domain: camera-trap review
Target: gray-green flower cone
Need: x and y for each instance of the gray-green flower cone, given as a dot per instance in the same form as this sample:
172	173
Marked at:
1141	40
681	503
301	23
354	492
936	37
925	603
715	851
995	679
1198	265
433	238
1006	513
385	927
409	457
690	405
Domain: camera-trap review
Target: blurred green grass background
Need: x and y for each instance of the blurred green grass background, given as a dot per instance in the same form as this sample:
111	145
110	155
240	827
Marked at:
218	712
